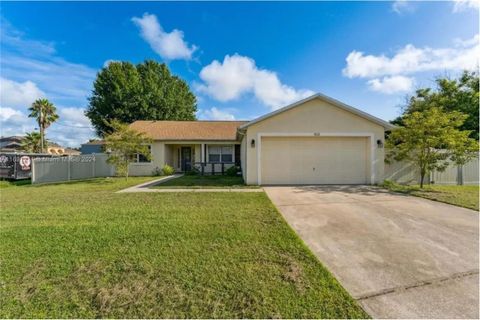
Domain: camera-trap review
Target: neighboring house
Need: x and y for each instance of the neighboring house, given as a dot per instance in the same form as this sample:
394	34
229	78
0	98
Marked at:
71	152
11	144
93	146
318	140
14	144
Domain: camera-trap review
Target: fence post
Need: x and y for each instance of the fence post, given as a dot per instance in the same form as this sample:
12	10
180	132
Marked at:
93	165
68	168
460	175
33	170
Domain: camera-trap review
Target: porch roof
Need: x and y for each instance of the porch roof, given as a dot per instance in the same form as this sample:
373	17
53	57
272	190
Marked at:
189	130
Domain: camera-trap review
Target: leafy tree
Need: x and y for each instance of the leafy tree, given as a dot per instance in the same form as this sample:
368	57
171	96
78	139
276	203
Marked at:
32	142
147	91
123	144
45	113
430	139
460	94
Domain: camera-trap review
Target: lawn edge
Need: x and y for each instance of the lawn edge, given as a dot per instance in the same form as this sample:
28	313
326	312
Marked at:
310	252
383	186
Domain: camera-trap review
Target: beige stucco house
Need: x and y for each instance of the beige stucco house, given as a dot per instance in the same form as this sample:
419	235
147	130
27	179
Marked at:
318	140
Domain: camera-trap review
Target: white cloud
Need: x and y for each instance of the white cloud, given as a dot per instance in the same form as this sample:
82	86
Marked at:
390	85
14	122
18	94
462	5
107	62
410	60
75	117
15	39
215	114
30	70
60	80
168	45
403	6
238	75
7	113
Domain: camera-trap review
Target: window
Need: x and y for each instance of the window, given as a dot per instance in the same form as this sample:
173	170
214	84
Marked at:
227	154
214	153
220	153
141	158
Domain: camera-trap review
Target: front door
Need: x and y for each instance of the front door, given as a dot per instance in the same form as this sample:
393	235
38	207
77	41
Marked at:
186	159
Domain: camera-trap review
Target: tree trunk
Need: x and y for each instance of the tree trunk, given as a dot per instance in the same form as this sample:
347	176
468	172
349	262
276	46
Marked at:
422	177
42	150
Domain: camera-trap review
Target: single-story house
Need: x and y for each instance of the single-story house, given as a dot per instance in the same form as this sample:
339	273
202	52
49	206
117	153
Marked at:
318	140
92	146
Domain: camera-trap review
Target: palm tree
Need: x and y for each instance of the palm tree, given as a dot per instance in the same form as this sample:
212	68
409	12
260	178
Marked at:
45	113
32	142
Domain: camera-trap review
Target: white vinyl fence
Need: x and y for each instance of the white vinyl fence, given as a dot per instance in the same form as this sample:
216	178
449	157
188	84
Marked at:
68	168
404	172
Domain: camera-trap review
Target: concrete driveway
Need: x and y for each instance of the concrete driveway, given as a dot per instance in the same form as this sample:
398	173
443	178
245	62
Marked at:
399	256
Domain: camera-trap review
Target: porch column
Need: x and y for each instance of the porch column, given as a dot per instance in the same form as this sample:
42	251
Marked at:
202	153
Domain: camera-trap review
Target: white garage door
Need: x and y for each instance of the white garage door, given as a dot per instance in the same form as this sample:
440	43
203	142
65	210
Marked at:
314	160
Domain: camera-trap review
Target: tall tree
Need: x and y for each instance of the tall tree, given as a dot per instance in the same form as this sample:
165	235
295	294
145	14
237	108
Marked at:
147	91
460	94
123	145
32	142
430	139
45	113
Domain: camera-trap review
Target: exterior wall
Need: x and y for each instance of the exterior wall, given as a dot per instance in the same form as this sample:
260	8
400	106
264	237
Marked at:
243	158
314	116
157	161
166	152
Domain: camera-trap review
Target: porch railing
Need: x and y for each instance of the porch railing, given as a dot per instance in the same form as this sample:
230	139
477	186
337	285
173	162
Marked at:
212	167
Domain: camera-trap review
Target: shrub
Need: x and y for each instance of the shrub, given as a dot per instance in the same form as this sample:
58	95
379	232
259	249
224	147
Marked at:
232	171
168	170
157	172
192	172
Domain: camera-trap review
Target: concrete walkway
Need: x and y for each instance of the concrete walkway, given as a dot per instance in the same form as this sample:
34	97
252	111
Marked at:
399	256
147	187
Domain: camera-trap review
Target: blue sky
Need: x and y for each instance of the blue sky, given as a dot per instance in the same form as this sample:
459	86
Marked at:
241	59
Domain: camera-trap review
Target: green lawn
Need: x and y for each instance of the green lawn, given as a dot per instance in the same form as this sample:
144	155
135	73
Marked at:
79	250
462	196
199	181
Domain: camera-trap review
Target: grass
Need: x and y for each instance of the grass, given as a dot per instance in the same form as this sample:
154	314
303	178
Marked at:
79	250
14	183
207	181
462	196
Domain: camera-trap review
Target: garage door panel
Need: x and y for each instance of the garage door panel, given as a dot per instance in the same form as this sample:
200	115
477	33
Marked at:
314	160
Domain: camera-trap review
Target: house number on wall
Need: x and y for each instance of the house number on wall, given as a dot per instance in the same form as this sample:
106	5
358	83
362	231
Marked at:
316	134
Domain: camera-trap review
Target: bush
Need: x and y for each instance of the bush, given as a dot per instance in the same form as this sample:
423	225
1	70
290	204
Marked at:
232	171
192	172
157	172
168	170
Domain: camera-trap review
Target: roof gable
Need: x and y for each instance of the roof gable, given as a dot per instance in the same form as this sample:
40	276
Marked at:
330	100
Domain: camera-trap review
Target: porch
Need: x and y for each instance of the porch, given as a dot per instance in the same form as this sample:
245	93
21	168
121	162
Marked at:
206	158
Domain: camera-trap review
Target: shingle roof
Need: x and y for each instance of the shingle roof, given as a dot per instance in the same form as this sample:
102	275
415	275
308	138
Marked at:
189	130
